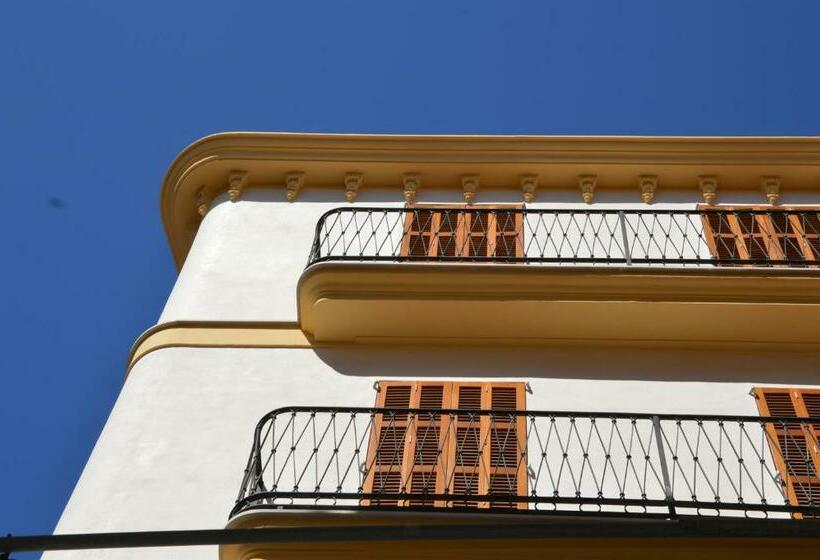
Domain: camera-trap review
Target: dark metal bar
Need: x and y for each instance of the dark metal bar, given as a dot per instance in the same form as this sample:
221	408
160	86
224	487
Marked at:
625	239
587	528
667	481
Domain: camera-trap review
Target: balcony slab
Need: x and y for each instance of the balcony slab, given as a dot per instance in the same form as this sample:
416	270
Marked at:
520	304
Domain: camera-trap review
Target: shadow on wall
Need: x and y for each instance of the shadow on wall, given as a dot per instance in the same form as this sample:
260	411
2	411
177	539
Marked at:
579	363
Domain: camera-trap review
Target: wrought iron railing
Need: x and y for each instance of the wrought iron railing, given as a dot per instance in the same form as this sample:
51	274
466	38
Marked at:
533	461
771	237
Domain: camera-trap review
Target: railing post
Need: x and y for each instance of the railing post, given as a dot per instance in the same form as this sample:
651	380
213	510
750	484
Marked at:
627	252
667	482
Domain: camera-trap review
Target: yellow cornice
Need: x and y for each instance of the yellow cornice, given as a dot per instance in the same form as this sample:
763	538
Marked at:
232	161
217	334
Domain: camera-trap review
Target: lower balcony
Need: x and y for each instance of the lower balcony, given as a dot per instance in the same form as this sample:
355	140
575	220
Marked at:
533	463
437	483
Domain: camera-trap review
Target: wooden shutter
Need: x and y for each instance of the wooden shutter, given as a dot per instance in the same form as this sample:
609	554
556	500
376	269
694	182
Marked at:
404	451
794	445
771	236
507	234
426	459
489	451
431	232
506	442
386	452
434	231
465	480
466	456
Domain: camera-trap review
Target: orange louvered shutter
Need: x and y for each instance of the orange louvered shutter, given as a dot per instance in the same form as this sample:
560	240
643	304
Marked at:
775	235
386	448
506	445
465	477
404	452
426	462
507	239
794	445
431	233
434	231
466	455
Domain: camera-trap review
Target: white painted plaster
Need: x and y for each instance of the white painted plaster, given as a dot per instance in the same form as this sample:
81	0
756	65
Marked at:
173	452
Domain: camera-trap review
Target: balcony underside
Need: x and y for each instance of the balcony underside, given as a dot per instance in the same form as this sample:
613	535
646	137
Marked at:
434	303
504	536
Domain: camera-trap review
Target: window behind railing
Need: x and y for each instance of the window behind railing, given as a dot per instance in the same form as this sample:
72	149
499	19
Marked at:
704	237
466	456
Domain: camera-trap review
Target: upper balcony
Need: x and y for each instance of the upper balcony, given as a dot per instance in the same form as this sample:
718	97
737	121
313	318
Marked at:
514	275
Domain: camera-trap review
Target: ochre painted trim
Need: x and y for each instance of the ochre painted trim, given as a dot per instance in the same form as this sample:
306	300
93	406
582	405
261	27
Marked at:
218	334
234	161
487	304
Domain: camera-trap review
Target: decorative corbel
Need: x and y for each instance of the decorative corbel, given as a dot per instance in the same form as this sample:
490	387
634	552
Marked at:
708	185
237	181
587	185
470	185
293	184
648	185
528	185
352	183
411	183
202	202
771	188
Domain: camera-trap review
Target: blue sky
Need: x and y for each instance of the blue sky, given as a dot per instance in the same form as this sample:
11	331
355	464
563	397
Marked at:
97	98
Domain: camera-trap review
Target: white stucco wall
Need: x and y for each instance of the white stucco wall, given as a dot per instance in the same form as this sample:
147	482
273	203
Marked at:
173	452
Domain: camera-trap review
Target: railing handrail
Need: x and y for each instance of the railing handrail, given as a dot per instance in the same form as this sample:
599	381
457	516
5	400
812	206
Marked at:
539	413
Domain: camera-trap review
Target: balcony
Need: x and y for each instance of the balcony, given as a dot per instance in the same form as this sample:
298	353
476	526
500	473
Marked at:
532	463
686	278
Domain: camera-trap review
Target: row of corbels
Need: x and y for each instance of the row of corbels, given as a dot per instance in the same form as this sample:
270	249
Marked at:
411	182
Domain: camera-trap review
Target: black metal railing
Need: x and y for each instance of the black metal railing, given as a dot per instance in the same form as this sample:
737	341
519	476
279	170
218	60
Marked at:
533	461
771	237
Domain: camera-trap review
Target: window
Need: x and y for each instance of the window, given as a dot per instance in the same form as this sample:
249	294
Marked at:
463	455
794	446
776	235
488	231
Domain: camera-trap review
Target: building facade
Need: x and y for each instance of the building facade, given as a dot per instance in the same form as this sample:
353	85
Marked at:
371	331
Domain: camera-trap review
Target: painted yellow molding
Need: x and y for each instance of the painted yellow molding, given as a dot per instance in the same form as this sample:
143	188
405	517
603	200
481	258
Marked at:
411	183
469	184
708	185
648	185
293	184
586	184
391	304
217	334
237	181
529	184
499	160
771	188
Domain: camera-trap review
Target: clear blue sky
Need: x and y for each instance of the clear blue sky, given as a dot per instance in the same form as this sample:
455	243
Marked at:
97	98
